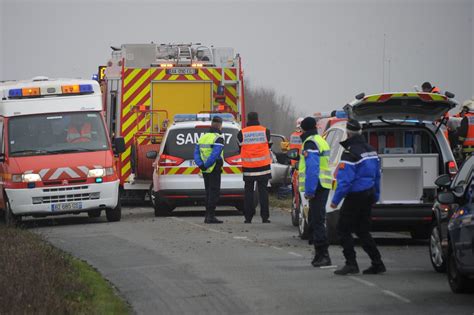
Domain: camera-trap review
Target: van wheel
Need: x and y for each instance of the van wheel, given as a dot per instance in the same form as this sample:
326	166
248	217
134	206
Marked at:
436	250
303	227
115	214
11	220
94	213
295	212
458	282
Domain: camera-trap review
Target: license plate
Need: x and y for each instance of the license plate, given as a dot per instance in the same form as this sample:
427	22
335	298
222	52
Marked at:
66	206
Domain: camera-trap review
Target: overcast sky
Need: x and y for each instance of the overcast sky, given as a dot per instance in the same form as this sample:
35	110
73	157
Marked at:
318	53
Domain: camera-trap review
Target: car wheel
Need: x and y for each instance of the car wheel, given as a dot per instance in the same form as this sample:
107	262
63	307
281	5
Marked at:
303	227
295	213
436	250
457	281
11	220
94	213
115	214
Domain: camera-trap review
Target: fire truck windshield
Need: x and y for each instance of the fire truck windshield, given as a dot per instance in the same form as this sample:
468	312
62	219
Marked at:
56	133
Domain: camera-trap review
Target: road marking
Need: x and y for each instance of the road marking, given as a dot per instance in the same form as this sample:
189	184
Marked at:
277	248
367	283
295	254
328	267
398	297
240	237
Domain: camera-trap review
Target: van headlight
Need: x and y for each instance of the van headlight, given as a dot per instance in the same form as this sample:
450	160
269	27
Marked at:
96	172
109	171
26	178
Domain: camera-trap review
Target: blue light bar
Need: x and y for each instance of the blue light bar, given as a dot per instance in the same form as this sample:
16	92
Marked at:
203	117
15	93
224	116
86	88
185	117
341	114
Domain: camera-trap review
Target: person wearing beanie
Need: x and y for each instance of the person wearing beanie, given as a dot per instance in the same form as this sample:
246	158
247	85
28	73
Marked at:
358	181
315	180
208	156
256	165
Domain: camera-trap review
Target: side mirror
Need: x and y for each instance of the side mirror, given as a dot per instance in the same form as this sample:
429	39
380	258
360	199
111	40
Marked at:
119	145
284	145
443	181
446	198
459	189
293	154
151	155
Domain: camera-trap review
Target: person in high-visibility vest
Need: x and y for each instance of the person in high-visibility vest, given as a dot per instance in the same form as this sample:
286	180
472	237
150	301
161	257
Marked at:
465	132
79	130
208	156
358	183
315	180
428	88
256	162
295	139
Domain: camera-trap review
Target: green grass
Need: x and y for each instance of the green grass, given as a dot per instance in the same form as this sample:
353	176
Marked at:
38	278
284	204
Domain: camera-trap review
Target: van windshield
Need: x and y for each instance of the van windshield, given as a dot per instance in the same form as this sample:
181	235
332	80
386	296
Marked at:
181	142
56	133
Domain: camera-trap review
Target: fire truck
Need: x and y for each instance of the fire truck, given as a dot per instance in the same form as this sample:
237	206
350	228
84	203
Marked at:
146	85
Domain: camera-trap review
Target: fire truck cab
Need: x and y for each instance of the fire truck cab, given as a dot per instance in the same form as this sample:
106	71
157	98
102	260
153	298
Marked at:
55	154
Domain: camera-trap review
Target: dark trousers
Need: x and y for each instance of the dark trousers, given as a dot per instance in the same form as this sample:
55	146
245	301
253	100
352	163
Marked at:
212	183
355	218
249	210
317	218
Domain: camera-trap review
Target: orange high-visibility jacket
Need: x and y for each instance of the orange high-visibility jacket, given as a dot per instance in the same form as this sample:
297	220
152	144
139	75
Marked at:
74	136
469	140
295	143
254	148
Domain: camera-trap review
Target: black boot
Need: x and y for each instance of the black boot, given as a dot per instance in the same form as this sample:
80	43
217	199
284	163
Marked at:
212	220
317	255
375	268
348	268
324	259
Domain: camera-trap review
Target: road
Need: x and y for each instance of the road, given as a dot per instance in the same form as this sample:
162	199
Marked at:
178	265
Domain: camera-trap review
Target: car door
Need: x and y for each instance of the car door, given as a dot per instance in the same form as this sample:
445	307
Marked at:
464	226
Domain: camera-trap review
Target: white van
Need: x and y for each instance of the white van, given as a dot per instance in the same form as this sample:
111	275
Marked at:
402	128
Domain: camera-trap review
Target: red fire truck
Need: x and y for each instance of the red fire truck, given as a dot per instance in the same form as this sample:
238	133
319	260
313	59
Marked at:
146	85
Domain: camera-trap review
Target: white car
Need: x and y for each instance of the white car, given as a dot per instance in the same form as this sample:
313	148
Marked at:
177	181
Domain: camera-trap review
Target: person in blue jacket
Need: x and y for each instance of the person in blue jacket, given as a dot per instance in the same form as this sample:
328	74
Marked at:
208	156
358	181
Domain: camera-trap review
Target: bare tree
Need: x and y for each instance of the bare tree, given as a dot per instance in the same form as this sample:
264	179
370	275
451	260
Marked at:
275	111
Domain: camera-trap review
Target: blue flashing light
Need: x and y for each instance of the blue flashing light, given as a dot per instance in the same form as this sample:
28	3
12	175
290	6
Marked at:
224	116
341	114
95	77
185	117
31	185
99	180
86	88
203	117
15	93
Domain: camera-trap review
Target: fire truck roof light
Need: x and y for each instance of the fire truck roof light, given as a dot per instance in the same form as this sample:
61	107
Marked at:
166	65
197	65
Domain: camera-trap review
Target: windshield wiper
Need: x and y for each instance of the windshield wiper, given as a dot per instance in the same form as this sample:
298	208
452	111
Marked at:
71	150
31	151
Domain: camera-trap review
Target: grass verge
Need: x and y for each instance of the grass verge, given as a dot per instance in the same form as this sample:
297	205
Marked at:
38	278
276	202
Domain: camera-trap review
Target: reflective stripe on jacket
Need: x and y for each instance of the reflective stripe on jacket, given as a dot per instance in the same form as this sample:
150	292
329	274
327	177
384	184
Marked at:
207	144
254	147
314	166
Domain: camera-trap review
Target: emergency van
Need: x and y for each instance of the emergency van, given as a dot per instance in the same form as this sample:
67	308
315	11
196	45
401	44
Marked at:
413	153
177	181
55	153
146	85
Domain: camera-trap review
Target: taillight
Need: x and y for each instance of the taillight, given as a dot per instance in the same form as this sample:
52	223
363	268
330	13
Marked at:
452	168
168	160
234	160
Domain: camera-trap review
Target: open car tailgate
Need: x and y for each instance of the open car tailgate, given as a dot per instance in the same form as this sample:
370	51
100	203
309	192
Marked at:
401	106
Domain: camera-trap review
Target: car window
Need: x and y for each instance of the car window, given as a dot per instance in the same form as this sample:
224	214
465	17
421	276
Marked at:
181	142
335	145
464	173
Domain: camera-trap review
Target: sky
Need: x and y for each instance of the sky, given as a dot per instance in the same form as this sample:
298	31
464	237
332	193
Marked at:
318	53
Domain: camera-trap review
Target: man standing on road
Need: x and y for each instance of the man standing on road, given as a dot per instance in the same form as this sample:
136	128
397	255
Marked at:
315	181
208	157
256	161
358	181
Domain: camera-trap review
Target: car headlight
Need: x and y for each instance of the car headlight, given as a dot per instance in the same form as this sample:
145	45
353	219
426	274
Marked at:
96	172
26	178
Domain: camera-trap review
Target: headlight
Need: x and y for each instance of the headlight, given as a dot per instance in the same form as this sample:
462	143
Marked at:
96	172
109	171
26	178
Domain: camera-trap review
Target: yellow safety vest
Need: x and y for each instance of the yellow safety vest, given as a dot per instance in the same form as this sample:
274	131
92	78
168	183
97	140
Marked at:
325	176
206	144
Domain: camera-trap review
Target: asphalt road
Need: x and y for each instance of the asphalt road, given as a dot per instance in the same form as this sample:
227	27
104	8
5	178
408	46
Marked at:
179	265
